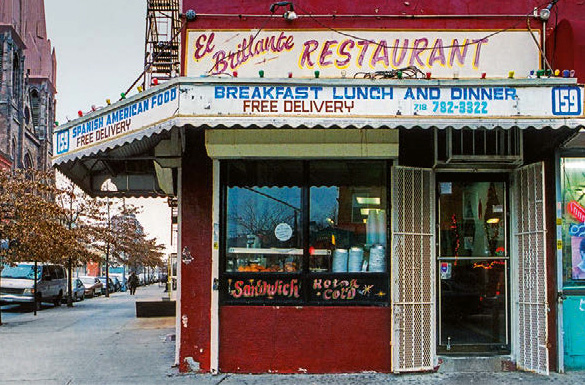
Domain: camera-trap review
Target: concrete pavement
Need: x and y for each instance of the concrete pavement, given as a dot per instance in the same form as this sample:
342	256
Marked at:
100	341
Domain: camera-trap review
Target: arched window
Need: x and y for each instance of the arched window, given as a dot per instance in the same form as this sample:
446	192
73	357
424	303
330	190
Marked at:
35	105
16	75
13	153
28	163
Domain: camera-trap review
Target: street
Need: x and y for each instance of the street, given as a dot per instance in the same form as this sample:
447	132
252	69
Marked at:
100	341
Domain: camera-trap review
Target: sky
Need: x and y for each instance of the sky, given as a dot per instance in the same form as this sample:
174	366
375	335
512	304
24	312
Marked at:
100	52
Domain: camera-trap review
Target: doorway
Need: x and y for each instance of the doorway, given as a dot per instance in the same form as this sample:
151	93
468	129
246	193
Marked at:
473	266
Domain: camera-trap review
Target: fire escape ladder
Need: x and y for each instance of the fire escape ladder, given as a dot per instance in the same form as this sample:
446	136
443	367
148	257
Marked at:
162	43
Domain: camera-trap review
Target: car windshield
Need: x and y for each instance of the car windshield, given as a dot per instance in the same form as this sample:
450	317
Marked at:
21	271
88	281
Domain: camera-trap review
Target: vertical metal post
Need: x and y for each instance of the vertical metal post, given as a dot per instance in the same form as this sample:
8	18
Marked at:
4	245
1	268
560	171
108	252
69	282
35	287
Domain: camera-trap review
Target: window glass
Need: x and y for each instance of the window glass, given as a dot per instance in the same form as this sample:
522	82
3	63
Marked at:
472	266
472	219
264	217
305	232
18	272
49	272
347	226
573	220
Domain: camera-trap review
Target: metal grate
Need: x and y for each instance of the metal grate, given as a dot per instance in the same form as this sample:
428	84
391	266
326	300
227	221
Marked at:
497	146
529	237
413	275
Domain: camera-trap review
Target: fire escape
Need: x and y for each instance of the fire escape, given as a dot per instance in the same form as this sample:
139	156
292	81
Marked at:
162	44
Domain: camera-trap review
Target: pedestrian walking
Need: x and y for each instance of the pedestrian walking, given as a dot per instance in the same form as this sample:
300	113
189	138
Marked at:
132	283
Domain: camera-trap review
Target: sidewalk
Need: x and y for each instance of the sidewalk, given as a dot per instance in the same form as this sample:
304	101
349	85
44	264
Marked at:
101	341
153	292
172	375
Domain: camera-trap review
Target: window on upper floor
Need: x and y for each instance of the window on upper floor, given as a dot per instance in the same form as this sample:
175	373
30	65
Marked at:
28	162
35	105
17	76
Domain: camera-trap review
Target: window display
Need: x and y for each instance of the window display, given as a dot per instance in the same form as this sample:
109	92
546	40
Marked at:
347	228
264	217
305	231
573	220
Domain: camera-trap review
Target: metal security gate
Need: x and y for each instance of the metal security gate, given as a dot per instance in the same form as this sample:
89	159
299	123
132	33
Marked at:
412	272
530	269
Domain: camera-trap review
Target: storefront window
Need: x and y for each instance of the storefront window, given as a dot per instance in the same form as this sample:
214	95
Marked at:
573	221
305	232
348	217
264	217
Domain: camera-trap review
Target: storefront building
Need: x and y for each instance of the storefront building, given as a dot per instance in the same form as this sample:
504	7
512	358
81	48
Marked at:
571	249
358	192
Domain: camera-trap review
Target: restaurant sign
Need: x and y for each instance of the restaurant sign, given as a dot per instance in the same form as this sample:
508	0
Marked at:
300	53
113	123
261	101
489	100
294	289
261	288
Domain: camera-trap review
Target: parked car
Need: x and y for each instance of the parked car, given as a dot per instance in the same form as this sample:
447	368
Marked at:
93	286
121	279
77	290
110	285
117	284
18	284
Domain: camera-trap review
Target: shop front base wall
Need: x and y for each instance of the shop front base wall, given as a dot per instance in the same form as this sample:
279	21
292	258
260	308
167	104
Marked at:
195	256
288	339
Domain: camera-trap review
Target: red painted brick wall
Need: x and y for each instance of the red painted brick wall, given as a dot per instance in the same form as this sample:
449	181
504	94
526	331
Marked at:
257	339
196	203
289	339
562	52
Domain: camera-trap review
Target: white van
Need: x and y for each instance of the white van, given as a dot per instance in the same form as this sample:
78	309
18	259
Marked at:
17	284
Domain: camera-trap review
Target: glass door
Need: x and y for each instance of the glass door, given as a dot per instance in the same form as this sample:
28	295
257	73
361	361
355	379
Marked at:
473	267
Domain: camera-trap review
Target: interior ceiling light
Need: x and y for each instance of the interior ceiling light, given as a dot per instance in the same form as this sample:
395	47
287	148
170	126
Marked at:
368	200
366	211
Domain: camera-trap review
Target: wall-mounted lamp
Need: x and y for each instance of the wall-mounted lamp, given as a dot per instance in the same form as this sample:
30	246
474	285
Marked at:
544	13
289	15
190	15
